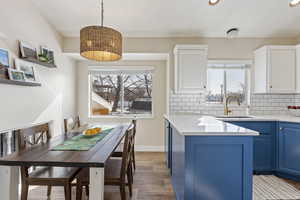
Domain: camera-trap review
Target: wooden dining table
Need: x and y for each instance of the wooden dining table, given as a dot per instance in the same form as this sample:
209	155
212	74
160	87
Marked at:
43	155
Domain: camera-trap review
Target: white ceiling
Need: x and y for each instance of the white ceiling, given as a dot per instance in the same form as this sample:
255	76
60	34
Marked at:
176	18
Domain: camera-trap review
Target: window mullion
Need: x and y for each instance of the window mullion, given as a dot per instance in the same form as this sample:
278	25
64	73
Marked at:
122	94
225	83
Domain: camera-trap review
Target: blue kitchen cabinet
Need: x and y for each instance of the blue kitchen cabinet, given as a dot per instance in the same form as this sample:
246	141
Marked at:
289	150
211	167
264	145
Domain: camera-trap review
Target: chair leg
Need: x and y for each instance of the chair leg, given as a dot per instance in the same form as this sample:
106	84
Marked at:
123	192
87	190
24	192
78	191
133	158
49	191
68	191
130	179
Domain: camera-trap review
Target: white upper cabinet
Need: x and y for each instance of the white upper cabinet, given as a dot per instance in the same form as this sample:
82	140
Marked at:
275	69
190	68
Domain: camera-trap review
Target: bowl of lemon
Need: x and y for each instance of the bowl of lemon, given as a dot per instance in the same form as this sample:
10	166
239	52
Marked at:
91	132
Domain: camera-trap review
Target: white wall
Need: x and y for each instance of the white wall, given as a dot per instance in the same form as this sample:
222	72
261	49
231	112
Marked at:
150	132
21	106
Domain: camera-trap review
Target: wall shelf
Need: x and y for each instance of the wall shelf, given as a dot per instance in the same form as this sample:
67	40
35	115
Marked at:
45	64
21	83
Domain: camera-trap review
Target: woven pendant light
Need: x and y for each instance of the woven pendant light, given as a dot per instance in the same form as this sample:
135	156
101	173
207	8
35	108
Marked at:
100	43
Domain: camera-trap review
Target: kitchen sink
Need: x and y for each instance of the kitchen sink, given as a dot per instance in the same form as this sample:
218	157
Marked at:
233	117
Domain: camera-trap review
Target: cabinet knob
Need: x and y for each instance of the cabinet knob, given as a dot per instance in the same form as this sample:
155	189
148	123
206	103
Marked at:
280	128
204	86
271	86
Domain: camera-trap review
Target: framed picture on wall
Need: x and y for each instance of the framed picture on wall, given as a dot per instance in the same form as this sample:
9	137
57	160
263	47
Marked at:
27	68
4	63
47	54
27	50
16	75
4	58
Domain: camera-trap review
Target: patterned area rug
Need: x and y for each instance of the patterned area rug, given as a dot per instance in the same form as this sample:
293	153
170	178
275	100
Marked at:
273	188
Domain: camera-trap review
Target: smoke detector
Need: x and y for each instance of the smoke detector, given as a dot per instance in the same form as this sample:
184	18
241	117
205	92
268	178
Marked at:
232	33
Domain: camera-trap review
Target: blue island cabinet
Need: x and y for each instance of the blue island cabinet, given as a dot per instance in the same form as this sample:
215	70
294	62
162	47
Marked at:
211	167
264	145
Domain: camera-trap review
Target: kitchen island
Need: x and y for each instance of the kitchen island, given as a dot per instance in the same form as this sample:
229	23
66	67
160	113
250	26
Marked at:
209	159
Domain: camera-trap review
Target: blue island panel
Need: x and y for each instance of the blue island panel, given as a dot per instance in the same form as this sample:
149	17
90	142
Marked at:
178	163
218	167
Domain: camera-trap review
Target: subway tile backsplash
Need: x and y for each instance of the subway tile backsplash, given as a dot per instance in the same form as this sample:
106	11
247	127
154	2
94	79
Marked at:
272	104
260	104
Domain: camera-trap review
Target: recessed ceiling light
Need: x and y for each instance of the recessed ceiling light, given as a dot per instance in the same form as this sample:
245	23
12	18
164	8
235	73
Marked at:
294	3
213	2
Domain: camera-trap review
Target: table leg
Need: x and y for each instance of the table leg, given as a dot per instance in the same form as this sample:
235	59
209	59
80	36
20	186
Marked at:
9	181
96	183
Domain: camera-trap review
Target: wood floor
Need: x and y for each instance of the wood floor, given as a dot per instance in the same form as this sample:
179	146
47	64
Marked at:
151	182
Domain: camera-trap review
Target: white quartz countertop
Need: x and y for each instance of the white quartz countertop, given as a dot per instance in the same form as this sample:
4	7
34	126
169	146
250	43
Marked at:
206	126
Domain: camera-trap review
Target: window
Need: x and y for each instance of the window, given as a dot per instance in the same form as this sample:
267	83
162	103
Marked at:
226	79
116	92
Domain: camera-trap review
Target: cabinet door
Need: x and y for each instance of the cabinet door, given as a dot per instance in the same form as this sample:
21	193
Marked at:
263	148
263	145
190	70
289	149
282	69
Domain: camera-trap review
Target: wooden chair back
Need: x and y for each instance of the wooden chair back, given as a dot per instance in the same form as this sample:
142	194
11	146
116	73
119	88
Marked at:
71	123
127	152
30	137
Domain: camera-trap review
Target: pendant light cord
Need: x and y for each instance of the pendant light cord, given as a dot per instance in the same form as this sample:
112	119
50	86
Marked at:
102	12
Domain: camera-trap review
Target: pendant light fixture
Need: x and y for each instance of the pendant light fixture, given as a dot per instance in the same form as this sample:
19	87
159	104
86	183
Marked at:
100	43
294	3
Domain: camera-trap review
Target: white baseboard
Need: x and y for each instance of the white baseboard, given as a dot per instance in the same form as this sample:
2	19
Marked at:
144	148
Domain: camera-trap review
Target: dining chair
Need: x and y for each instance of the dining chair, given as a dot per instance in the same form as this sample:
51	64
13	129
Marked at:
31	139
71	124
117	172
119	151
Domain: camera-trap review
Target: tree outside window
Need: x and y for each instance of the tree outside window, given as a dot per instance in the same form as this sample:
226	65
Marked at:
121	93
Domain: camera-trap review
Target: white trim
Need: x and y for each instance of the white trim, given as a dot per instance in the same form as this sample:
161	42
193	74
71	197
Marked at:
243	62
189	47
120	68
144	148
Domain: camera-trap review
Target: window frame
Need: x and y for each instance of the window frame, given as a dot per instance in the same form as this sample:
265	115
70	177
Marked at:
120	70
247	66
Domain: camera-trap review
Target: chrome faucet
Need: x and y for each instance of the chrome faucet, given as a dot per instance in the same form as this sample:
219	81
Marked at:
228	99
